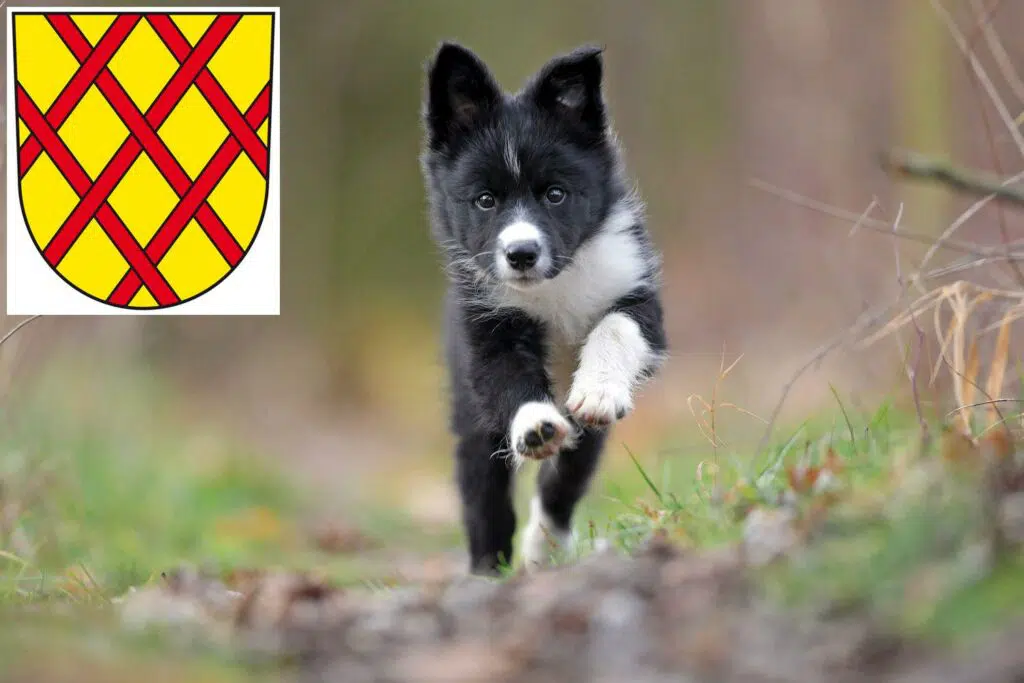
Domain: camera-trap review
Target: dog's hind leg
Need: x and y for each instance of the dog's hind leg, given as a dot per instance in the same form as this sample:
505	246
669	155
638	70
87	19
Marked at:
485	486
561	483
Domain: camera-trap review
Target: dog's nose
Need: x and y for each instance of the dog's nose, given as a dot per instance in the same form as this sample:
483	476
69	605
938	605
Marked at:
522	255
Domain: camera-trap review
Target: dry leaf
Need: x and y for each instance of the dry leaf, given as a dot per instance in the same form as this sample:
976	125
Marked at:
648	511
997	442
957	447
339	539
243	579
281	600
802	477
833	463
78	582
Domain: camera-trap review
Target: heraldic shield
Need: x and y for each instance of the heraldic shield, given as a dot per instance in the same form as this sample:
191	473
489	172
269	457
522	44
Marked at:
143	147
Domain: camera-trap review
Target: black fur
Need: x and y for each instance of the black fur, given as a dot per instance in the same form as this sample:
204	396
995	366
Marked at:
498	348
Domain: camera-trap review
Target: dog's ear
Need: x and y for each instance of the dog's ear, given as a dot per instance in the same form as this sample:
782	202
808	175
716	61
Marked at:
460	93
569	87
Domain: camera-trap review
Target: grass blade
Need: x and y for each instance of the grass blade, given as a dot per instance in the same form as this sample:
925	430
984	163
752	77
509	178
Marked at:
643	473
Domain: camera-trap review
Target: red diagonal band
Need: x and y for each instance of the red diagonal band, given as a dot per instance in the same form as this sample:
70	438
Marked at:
118	166
92	63
214	93
145	133
207	181
110	222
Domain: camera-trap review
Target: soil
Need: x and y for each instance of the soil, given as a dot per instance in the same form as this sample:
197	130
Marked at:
662	615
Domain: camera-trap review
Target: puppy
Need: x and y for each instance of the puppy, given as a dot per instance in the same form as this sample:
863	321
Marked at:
553	317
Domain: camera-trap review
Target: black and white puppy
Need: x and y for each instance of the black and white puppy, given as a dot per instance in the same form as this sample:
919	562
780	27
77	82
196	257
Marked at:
553	315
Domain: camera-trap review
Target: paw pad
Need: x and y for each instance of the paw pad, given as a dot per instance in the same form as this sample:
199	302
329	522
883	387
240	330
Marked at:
539	431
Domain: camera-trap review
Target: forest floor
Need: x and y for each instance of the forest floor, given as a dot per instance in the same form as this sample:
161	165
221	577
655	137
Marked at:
859	549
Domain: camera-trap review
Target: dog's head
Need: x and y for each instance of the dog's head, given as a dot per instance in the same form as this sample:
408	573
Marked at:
517	182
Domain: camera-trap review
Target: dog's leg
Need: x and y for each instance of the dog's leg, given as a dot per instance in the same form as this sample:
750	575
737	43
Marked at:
623	349
561	483
485	485
512	387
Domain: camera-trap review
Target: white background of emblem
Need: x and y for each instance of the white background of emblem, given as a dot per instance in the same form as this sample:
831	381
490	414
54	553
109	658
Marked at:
254	288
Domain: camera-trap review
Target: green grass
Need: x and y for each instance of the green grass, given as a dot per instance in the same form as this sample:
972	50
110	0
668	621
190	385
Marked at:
107	494
112	494
906	552
120	498
107	491
680	484
91	650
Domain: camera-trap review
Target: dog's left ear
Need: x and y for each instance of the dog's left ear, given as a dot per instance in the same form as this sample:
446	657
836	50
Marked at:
569	87
461	92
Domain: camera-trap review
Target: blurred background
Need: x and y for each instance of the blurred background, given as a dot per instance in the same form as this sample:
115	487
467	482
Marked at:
346	386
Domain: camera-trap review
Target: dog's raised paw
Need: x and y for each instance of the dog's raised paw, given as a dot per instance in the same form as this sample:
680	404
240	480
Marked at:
600	404
539	431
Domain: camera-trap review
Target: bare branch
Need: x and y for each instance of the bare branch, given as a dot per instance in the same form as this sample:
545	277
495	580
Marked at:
969	181
880	226
983	78
1007	255
995	46
20	325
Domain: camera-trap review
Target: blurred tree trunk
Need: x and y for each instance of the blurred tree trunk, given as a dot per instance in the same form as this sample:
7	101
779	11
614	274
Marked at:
813	110
921	56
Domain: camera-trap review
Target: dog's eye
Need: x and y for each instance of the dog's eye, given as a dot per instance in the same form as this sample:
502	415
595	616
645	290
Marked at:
485	201
555	195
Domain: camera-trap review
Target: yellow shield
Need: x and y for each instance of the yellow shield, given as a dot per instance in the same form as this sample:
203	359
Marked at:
143	147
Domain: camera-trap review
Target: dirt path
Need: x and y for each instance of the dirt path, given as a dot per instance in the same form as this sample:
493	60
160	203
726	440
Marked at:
663	615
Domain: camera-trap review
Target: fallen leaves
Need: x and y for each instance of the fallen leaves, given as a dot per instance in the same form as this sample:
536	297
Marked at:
807	479
252	608
77	583
337	538
184	602
773	532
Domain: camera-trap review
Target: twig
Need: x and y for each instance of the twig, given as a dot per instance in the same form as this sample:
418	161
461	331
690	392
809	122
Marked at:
979	72
912	367
7	371
20	325
962	219
982	404
984	26
866	320
875	225
968	181
864	216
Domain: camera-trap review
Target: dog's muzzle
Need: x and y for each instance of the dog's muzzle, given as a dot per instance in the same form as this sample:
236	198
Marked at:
523	255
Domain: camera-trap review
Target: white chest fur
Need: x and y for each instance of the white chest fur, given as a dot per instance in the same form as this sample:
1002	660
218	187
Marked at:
603	270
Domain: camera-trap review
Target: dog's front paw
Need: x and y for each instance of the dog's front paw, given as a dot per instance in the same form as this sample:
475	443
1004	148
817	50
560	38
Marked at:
539	431
598	404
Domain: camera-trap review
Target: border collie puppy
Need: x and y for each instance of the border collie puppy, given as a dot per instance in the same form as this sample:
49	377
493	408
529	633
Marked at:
553	317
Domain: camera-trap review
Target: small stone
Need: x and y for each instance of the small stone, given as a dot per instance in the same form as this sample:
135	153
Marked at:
768	533
461	663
